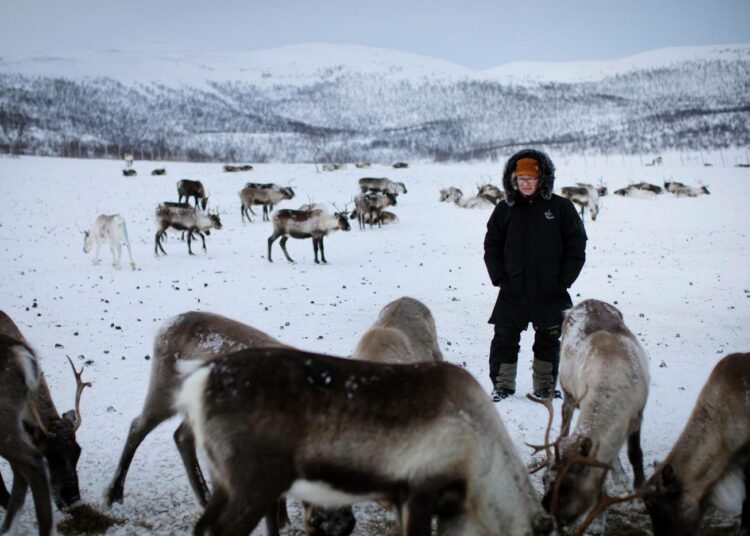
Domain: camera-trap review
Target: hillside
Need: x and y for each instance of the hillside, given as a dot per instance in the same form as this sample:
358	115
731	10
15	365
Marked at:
346	103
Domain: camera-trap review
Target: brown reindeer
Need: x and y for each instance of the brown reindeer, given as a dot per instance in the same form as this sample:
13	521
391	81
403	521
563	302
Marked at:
583	195
710	462
188	336
34	433
370	205
425	437
315	224
187	189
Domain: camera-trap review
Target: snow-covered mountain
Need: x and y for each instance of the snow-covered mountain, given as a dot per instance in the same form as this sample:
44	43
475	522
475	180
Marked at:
333	102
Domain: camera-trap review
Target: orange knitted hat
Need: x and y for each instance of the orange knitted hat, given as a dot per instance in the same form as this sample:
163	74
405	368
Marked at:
526	167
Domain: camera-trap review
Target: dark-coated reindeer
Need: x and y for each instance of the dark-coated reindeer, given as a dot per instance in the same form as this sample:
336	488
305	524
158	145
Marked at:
183	217
490	192
604	374
710	462
425	437
315	224
33	432
187	189
192	335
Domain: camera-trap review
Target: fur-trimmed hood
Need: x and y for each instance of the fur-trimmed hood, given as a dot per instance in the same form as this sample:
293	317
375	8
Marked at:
546	174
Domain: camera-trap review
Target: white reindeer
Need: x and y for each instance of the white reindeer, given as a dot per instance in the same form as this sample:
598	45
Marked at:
425	437
111	229
585	196
604	374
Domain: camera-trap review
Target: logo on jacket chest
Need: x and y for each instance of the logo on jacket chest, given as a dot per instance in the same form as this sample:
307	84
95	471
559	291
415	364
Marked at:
549	215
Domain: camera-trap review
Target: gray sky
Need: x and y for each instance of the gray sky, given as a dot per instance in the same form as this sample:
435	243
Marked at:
476	33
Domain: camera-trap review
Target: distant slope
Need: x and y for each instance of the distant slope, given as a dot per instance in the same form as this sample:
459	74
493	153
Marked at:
344	103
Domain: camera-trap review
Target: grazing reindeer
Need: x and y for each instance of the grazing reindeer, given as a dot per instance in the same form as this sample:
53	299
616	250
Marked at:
604	374
33	432
333	431
403	333
369	184
709	462
491	193
315	224
370	204
583	195
451	194
111	229
187	189
192	335
183	217
268	195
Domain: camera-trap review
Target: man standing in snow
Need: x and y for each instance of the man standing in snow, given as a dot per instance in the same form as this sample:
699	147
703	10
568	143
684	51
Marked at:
534	249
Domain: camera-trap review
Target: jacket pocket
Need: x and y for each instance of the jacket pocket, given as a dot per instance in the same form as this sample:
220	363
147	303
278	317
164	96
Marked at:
549	281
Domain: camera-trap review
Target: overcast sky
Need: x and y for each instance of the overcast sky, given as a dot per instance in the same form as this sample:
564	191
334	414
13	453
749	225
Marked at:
476	33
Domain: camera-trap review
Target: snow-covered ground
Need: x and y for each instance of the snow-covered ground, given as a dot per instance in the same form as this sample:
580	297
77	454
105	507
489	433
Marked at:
676	268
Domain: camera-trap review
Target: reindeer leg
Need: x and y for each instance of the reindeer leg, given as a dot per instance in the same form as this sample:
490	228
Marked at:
157	242
216	505
4	495
271	240
282	243
635	455
203	239
745	519
185	441
322	253
417	517
315	249
28	471
153	415
116	250
130	254
189	240
97	258
16	499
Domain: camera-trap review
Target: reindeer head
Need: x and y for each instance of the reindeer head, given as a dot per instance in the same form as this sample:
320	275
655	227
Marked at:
671	512
400	188
343	217
391	198
204	202
287	192
57	443
329	521
88	241
215	220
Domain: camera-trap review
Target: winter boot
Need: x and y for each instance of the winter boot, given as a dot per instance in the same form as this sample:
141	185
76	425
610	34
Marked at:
505	383
544	380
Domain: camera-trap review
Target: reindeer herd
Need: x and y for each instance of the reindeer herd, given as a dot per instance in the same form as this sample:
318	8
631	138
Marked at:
393	422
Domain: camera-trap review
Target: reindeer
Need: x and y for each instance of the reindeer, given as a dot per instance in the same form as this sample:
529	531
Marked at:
370	204
708	463
159	171
268	195
229	168
384	217
404	333
183	217
604	374
682	190
192	335
370	184
639	189
315	224
491	193
472	202
34	434
187	189
451	194
425	437
583	195
129	172
400	165
111	229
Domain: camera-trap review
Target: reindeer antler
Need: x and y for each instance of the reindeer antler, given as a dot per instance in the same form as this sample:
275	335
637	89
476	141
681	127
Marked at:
605	502
35	413
79	389
547	403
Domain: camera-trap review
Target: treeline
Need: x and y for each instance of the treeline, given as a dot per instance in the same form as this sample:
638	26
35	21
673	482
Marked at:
691	106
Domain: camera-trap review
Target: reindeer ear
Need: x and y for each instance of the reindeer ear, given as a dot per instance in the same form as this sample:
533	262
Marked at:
667	474
584	449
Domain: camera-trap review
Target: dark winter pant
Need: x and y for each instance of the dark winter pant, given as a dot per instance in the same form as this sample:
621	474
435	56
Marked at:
504	356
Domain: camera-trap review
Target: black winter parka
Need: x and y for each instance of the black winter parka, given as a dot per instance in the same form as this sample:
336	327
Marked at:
534	250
